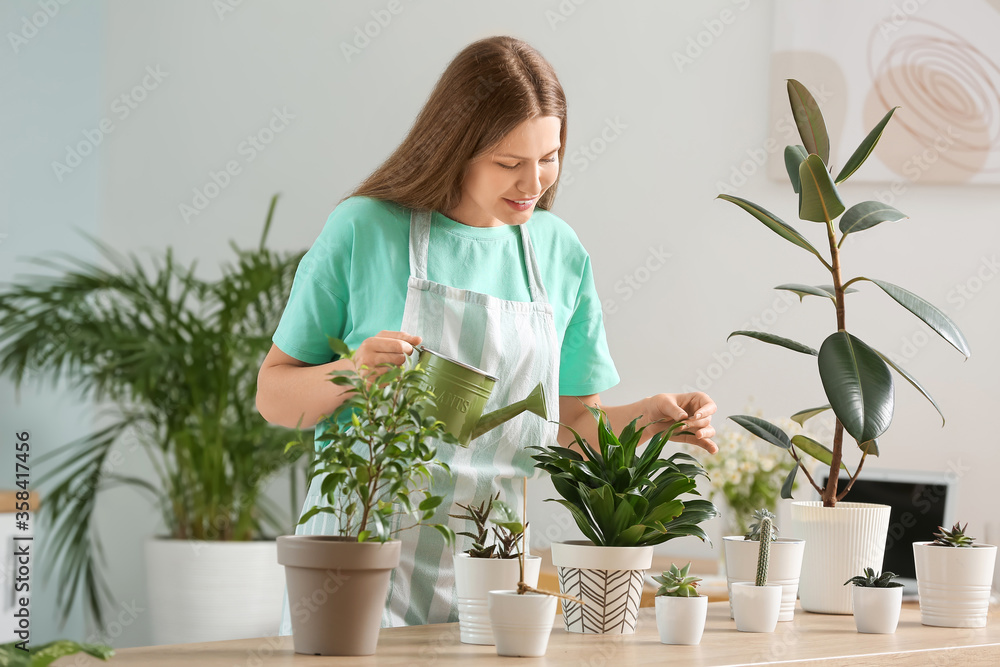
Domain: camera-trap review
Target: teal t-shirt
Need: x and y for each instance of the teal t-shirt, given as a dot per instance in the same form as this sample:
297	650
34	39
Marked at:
351	284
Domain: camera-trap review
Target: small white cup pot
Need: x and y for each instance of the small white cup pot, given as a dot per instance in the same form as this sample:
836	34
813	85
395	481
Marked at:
521	623
876	610
474	579
756	608
681	620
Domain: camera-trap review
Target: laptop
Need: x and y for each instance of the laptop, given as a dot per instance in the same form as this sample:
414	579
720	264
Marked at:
921	501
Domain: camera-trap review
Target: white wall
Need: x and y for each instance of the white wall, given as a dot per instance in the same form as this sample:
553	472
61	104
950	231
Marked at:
681	133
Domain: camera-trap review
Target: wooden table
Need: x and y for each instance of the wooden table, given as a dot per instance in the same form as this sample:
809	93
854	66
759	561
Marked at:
811	639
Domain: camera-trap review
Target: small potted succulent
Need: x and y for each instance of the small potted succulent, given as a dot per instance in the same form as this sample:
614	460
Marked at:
877	601
489	564
784	567
954	577
521	619
624	503
756	604
377	473
680	610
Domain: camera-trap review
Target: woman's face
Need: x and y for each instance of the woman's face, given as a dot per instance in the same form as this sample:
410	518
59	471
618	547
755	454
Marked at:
502	188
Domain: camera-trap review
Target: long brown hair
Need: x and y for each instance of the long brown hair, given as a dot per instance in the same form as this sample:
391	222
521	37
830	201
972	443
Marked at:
492	86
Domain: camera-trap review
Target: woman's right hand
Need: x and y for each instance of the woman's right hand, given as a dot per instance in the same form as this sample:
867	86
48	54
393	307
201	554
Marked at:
388	347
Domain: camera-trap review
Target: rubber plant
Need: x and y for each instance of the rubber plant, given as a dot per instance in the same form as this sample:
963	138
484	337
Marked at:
857	379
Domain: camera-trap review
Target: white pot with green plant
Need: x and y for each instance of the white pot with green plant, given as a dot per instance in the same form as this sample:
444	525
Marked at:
624	503
680	611
954	576
377	470
877	600
490	564
521	619
841	538
742	552
757	604
172	360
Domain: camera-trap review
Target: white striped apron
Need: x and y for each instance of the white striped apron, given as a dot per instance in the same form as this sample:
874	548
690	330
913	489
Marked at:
513	340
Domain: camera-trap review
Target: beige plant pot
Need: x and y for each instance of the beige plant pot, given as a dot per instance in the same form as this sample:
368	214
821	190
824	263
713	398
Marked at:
336	591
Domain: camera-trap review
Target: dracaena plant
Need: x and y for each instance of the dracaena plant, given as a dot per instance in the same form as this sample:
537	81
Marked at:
377	456
857	378
619	497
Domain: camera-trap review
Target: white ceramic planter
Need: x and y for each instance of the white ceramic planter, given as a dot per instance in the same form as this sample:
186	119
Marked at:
608	579
954	584
876	610
474	579
755	608
681	620
783	568
521	623
211	591
840	542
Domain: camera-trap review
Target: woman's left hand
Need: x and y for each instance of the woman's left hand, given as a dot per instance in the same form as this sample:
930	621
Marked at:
694	409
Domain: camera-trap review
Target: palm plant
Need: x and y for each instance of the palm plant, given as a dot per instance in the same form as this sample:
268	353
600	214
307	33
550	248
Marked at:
856	378
620	498
173	359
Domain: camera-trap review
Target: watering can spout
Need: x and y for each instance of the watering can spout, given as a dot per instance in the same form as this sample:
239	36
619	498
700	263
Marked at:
533	402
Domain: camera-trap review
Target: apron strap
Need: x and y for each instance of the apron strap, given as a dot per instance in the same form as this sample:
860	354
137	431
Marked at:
535	286
420	237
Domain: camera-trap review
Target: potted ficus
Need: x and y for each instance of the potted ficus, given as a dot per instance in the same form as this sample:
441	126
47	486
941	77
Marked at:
841	538
680	610
954	577
785	561
877	601
624	502
491	563
756	604
376	482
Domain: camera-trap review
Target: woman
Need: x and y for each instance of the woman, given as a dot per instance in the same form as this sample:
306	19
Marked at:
434	248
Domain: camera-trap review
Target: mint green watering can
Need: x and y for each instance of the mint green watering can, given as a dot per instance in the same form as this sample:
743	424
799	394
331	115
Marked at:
462	390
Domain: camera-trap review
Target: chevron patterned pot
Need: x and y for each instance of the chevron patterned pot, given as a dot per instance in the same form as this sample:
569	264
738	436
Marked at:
607	579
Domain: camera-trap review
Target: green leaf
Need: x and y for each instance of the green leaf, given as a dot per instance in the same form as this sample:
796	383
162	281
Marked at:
44	655
871	447
776	340
803	291
862	152
774	223
858	384
429	503
820	200
786	488
803	416
913	381
794	155
339	347
928	313
866	215
764	430
814	449
809	120
446	532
